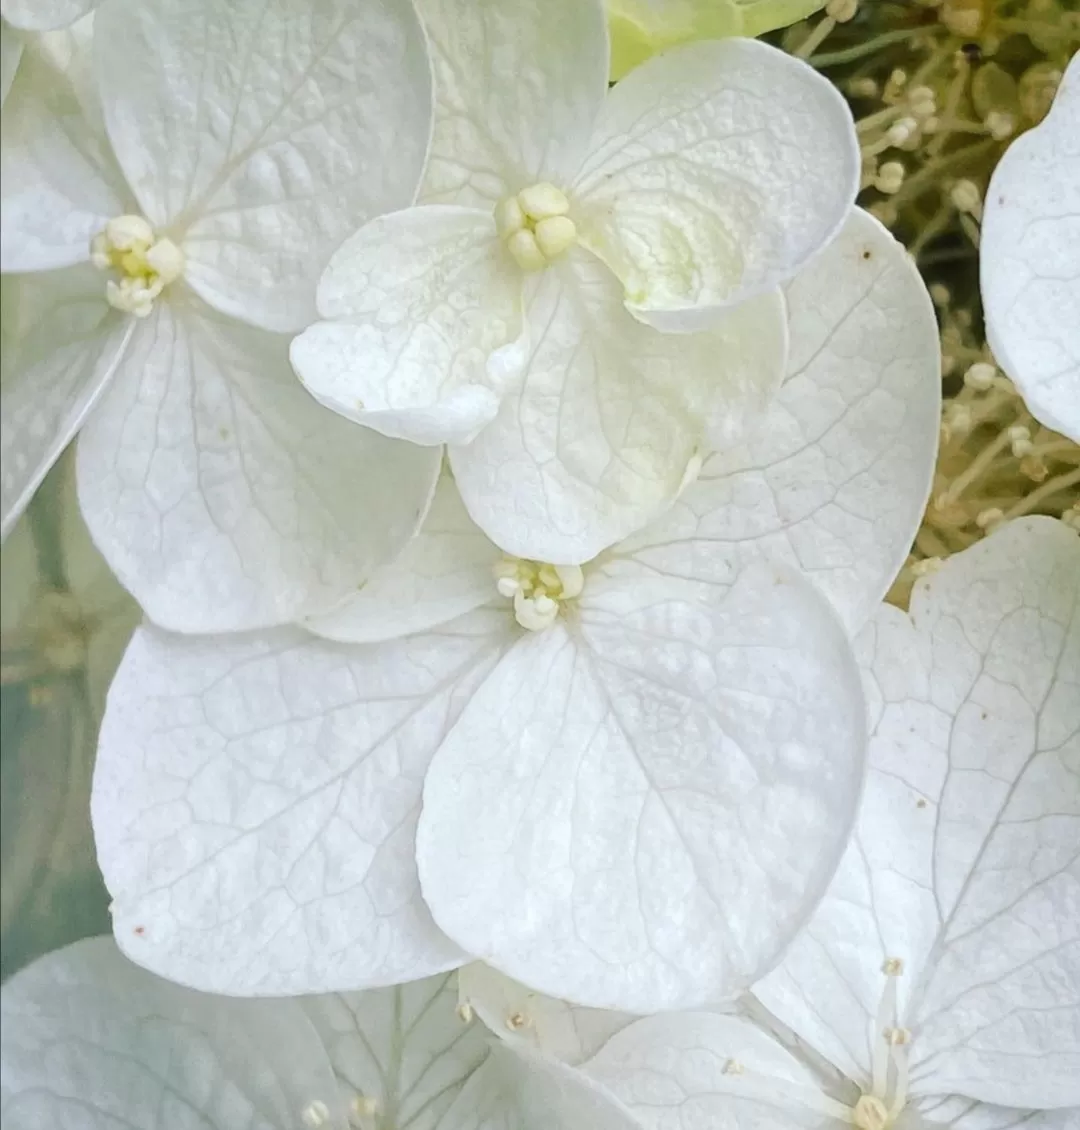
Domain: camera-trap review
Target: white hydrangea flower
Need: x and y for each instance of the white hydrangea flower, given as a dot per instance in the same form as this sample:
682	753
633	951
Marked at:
91	1040
189	177
560	222
639	773
938	983
1029	251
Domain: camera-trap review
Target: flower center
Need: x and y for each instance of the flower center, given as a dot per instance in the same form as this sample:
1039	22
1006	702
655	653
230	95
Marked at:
535	225
537	590
145	263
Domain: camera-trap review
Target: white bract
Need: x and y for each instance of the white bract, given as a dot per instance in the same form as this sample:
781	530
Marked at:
176	191
560	224
945	959
639	771
1030	262
92	1041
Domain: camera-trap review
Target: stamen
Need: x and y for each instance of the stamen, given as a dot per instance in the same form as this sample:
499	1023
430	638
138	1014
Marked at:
145	263
538	590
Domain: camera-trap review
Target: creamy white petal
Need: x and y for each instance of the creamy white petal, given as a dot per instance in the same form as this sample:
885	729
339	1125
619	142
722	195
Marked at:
521	1090
414	303
44	15
609	414
639	806
718	170
964	1114
444	572
1028	256
262	134
525	1018
695	1069
255	800
402	1052
966	859
835	480
59	182
91	1041
222	495
58	362
518	87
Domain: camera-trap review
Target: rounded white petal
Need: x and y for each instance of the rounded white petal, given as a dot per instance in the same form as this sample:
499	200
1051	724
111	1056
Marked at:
966	858
92	1041
414	304
444	572
836	478
701	1069
521	1090
1028	254
718	170
639	806
222	495
609	414
954	1113
59	182
264	136
45	15
255	800
403	1051
62	345
518	87
525	1018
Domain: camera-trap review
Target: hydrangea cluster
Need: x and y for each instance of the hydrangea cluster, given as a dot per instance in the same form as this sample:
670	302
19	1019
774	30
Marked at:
506	428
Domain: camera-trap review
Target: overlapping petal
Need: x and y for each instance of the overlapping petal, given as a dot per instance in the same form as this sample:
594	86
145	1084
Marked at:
62	345
264	134
255	801
717	171
638	808
45	15
608	416
222	495
90	1040
59	181
965	863
1029	251
518	87
836	478
415	303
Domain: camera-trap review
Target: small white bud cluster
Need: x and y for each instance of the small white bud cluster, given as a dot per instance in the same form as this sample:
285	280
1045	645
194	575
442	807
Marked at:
537	589
536	226
145	263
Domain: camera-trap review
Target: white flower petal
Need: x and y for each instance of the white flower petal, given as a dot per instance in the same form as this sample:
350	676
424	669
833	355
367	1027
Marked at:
414	304
59	182
57	363
638	807
444	572
265	135
92	1041
11	49
836	478
403	1049
1028	256
718	170
520	1090
518	87
966	859
963	1114
701	1069
609	415
45	15
255	800
525	1018
222	495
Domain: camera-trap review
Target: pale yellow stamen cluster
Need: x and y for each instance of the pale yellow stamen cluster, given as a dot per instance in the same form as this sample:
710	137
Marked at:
145	263
538	590
535	226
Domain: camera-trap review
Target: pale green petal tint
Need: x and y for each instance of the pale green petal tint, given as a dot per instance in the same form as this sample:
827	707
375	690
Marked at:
641	28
